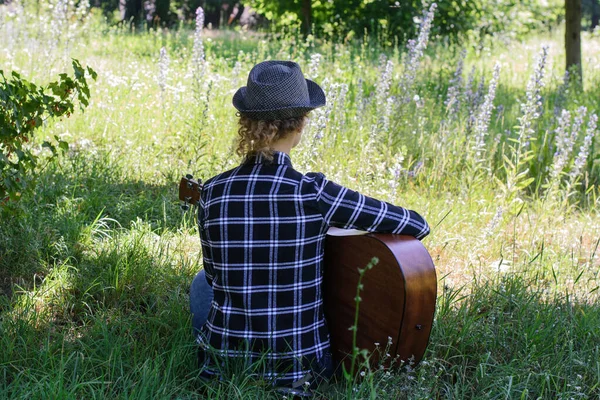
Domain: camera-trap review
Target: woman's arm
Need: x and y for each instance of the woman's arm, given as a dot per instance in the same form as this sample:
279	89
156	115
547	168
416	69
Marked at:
345	208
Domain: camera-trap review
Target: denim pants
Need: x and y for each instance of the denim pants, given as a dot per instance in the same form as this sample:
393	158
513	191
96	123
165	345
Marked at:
201	297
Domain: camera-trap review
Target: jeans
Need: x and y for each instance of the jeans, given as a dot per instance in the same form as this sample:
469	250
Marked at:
201	297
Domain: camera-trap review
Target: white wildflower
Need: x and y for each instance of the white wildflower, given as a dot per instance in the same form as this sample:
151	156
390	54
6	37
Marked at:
416	50
532	108
313	66
484	116
584	150
382	88
453	99
59	21
198	57
395	171
163	69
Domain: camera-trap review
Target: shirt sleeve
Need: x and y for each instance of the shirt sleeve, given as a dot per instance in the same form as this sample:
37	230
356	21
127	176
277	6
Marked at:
345	208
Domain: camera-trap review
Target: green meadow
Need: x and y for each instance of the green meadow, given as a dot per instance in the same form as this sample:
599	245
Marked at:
95	267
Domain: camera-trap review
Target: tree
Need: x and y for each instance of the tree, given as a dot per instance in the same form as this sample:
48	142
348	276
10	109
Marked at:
306	16
573	38
130	10
595	14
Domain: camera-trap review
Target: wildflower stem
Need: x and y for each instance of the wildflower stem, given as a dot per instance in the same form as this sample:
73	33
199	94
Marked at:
349	376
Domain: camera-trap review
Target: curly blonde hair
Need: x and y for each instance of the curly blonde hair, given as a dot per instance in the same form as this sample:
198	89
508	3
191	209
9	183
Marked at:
256	136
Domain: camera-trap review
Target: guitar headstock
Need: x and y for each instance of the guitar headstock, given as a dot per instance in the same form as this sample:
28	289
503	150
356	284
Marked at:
189	191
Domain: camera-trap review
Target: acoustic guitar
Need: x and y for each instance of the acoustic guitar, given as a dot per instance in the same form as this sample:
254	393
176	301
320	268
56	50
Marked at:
398	296
397	300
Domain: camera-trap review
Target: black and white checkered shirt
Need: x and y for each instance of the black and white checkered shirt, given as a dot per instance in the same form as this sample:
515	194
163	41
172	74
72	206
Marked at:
262	228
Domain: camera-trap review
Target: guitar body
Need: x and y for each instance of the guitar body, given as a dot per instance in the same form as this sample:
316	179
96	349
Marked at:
398	299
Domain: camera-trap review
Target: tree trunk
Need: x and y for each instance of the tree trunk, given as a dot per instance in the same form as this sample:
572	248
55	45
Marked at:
306	16
573	38
595	14
130	11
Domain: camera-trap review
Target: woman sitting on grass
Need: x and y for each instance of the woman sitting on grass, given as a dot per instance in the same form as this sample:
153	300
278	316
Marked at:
263	226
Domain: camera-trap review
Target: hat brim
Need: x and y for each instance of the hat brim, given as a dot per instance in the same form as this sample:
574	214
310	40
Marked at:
315	94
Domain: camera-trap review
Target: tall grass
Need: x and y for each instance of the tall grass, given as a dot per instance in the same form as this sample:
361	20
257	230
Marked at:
95	270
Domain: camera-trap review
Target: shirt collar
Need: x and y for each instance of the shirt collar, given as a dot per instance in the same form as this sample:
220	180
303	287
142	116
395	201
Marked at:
279	158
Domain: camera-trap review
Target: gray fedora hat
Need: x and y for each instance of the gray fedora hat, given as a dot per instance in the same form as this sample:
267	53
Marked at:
277	90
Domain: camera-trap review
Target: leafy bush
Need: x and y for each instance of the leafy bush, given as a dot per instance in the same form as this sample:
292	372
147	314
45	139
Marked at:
400	19
24	107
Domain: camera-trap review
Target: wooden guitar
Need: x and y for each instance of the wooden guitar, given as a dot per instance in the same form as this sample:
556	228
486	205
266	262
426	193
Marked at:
398	299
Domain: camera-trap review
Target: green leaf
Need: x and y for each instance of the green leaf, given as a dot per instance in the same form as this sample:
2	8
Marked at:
523	184
79	71
50	147
92	73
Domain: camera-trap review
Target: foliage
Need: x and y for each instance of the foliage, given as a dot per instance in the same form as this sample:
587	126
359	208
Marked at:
399	19
387	19
519	17
24	107
591	11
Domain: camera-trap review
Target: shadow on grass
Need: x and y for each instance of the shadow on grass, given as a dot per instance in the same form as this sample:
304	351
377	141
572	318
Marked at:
115	324
111	323
71	197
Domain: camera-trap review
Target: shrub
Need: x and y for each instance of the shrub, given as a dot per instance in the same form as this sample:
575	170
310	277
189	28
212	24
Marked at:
24	107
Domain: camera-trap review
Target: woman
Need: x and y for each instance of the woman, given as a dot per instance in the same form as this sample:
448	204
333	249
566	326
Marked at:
263	226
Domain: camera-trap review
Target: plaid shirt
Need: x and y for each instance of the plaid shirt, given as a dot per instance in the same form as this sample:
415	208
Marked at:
262	228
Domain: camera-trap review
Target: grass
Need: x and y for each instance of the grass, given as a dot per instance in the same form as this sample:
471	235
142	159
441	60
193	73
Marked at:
95	268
